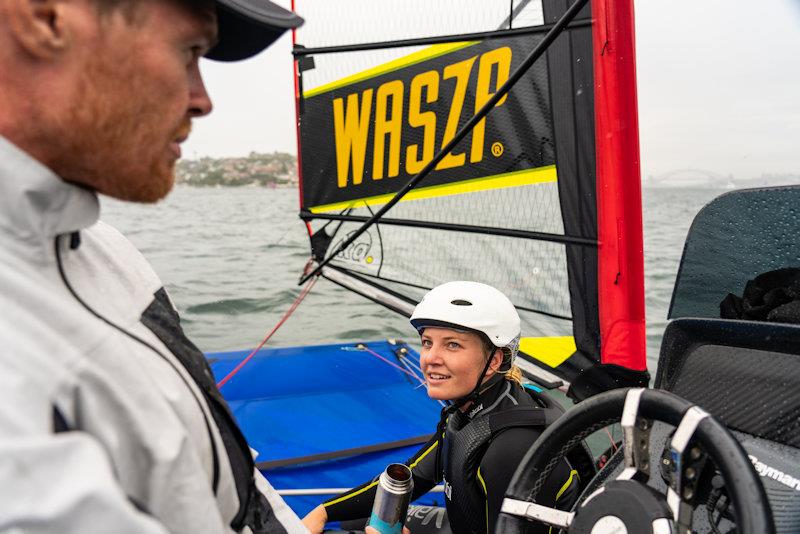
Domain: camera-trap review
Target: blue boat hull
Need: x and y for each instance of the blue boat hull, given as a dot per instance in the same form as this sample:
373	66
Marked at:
328	416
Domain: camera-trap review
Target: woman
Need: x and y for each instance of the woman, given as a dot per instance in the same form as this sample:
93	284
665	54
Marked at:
470	336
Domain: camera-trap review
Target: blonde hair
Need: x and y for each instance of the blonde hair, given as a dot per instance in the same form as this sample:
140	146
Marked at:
514	374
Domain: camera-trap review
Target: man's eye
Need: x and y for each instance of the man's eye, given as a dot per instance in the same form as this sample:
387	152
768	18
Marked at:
195	52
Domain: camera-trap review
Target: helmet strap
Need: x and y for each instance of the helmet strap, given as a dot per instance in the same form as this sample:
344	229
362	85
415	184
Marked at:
455	406
476	391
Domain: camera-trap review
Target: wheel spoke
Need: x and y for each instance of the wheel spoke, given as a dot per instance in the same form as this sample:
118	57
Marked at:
531	510
685	469
636	439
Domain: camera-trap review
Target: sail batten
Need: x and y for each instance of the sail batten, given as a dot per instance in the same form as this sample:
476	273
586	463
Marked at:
488	230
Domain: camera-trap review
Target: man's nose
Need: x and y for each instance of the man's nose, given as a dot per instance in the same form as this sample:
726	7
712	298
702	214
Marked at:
199	101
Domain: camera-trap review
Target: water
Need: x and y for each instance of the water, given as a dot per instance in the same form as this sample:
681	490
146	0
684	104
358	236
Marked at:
231	259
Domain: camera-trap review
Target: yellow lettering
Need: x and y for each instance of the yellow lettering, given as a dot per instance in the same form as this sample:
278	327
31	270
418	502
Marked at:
460	71
501	58
351	129
422	119
388	126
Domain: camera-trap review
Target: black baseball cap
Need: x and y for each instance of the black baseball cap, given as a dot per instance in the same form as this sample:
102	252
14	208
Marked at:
246	27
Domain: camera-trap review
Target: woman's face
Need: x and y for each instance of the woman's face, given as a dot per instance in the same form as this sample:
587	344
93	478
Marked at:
451	362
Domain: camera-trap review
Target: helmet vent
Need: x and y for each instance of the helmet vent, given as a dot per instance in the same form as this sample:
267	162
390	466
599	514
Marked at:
459	302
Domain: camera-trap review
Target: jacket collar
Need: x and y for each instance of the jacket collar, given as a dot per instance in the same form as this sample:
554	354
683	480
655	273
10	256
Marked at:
491	394
35	204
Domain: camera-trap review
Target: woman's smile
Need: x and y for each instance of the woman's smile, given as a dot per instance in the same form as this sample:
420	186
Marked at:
452	361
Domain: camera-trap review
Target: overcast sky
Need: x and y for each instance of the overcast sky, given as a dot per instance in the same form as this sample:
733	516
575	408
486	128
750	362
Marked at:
718	88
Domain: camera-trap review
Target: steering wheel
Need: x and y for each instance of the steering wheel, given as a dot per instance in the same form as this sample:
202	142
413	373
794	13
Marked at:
626	504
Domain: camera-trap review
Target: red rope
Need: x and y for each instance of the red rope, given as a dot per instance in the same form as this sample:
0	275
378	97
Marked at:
293	307
611	439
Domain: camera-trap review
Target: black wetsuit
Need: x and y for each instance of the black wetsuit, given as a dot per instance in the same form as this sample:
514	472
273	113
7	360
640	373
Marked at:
473	496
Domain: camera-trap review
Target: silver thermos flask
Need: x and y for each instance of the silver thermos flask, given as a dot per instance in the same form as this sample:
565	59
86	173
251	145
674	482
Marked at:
391	502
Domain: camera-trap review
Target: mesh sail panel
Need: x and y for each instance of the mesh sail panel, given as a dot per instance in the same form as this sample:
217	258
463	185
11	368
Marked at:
491	211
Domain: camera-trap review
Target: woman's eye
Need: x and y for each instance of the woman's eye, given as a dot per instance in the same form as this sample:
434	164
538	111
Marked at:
453	345
426	343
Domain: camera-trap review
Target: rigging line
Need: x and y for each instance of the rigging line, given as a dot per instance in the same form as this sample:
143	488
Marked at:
300	51
421	378
537	52
410	368
288	313
364	277
380	239
468	228
372	352
395	281
611	439
513	12
409	364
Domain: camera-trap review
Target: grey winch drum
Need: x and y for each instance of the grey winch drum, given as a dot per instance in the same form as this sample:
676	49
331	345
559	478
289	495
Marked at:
391	502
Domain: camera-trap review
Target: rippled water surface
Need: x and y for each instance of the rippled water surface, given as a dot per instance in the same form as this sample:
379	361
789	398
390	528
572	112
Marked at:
231	258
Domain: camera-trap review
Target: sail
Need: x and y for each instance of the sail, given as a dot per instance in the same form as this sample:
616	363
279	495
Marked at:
517	203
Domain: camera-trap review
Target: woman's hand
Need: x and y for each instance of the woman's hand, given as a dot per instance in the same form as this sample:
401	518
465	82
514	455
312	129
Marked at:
316	519
370	530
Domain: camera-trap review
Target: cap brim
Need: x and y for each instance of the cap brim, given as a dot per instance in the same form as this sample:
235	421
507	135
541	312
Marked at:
246	27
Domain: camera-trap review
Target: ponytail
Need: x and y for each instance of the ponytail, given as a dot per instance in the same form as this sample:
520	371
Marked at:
514	374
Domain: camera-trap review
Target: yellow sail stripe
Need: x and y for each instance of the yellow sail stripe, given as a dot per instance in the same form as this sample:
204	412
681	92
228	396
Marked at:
538	175
552	351
430	52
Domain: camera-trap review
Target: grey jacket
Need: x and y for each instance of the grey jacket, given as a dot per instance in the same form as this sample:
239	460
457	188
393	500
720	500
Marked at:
99	432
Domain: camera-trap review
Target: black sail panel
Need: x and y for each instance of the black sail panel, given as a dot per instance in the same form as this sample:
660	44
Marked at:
513	204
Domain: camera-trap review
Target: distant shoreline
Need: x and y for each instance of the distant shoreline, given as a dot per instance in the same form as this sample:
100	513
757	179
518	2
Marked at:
274	171
278	170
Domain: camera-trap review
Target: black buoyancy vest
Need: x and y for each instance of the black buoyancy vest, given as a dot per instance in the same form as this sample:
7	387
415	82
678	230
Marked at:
254	509
464	445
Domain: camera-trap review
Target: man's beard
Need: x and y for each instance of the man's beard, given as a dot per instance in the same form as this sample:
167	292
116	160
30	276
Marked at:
111	144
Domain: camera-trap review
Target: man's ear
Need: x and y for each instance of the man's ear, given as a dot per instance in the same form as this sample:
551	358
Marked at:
38	26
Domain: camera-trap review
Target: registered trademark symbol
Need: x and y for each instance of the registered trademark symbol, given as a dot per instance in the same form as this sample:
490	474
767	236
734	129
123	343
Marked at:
497	149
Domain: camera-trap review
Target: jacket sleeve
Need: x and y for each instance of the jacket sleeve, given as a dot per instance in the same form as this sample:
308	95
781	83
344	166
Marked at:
56	482
64	483
357	502
501	461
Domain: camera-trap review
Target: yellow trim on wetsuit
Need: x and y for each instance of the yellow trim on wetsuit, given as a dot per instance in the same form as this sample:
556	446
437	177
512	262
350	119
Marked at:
424	454
367	488
567	484
359	492
485	492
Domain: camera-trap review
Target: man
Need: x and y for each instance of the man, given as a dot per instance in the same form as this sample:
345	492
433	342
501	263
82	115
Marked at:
109	417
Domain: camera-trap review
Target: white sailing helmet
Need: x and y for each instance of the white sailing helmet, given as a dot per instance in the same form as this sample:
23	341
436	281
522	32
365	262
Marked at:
471	306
